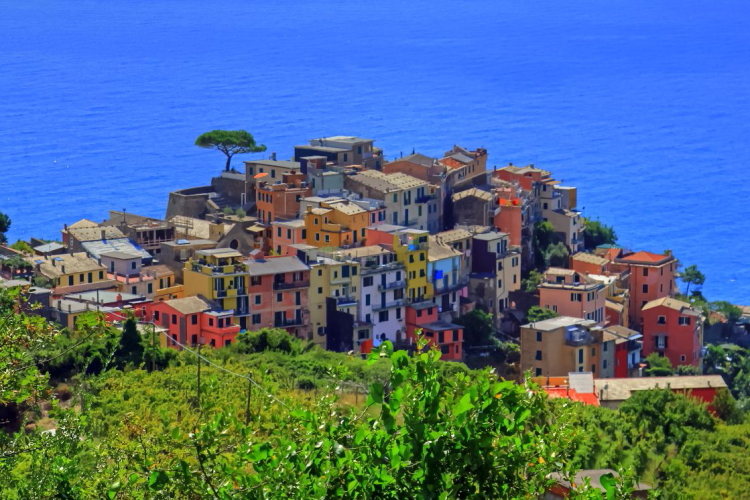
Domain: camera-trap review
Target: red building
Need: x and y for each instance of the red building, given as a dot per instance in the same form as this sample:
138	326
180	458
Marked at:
192	321
628	348
651	277
281	200
447	336
673	329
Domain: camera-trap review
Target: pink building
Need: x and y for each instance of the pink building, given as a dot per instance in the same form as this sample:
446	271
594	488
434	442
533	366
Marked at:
278	294
569	293
673	329
651	277
287	233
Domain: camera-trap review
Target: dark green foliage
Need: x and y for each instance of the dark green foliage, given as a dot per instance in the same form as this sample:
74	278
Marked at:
536	313
4	227
596	233
687	370
479	329
543	237
229	142
130	350
731	312
268	339
557	255
532	281
726	407
692	276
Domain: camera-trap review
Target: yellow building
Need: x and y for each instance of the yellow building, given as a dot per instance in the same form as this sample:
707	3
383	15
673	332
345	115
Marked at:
410	246
219	275
336	224
337	277
70	273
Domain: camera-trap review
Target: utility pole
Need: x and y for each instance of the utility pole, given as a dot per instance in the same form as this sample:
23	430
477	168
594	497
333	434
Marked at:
199	375
249	394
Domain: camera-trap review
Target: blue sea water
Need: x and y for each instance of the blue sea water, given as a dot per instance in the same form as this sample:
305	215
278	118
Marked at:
644	105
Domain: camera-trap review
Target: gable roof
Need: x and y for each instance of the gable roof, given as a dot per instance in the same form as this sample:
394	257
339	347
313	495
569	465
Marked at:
620	389
189	305
473	192
52	267
671	303
417	158
83	223
89	233
645	258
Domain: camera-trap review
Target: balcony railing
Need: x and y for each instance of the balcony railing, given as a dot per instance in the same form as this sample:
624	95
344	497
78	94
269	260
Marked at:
345	300
291	285
392	285
287	322
425	198
341	280
388	305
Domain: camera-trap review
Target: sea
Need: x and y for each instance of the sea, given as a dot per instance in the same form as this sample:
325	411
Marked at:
643	105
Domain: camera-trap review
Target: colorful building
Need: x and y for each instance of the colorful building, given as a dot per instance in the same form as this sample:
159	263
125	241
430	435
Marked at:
336	224
628	346
613	392
652	276
570	294
220	275
410	247
558	346
280	200
72	272
674	330
278	294
495	272
193	321
449	338
286	233
449	284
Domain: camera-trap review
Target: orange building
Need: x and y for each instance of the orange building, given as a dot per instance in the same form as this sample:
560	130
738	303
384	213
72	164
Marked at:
652	276
674	330
448	337
587	263
281	200
336	224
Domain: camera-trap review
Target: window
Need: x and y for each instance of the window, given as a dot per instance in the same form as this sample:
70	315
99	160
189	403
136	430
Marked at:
604	364
499	283
411	258
150	288
174	319
101	275
538	356
273	173
80	278
422	273
156	315
576	297
683	358
279	297
605	346
395	198
593	368
317	236
429	310
132	265
328	238
515	279
580	355
645	288
367	281
255	280
304	234
538	372
421	255
346	157
593	352
684	320
645	271
419	313
320	290
398	313
194	319
538	336
278	232
256	319
383	316
367	299
257	300
662	320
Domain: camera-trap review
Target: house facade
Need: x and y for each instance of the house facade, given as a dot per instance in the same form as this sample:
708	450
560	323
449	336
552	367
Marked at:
674	330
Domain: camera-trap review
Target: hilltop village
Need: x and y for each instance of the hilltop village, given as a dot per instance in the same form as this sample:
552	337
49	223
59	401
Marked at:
345	249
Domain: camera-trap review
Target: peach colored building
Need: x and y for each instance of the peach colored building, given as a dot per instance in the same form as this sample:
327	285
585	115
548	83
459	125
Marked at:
569	293
448	337
281	200
286	233
588	263
652	276
278	294
417	165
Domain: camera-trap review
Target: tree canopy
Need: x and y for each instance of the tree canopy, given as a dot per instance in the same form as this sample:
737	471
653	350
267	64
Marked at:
597	233
536	313
692	276
4	227
479	329
229	142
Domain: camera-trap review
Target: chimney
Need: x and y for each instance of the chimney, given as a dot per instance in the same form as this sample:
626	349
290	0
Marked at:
66	227
104	237
119	297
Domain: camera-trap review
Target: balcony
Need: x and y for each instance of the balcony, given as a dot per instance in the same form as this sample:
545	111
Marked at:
411	222
388	305
372	268
346	301
341	280
286	322
425	198
392	285
291	285
459	285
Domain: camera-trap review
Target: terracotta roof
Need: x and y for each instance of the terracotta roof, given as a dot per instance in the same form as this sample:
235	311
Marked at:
590	258
475	192
189	305
671	303
450	162
647	257
572	394
620	389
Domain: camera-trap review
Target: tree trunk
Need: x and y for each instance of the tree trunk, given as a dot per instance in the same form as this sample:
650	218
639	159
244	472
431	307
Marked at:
229	161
